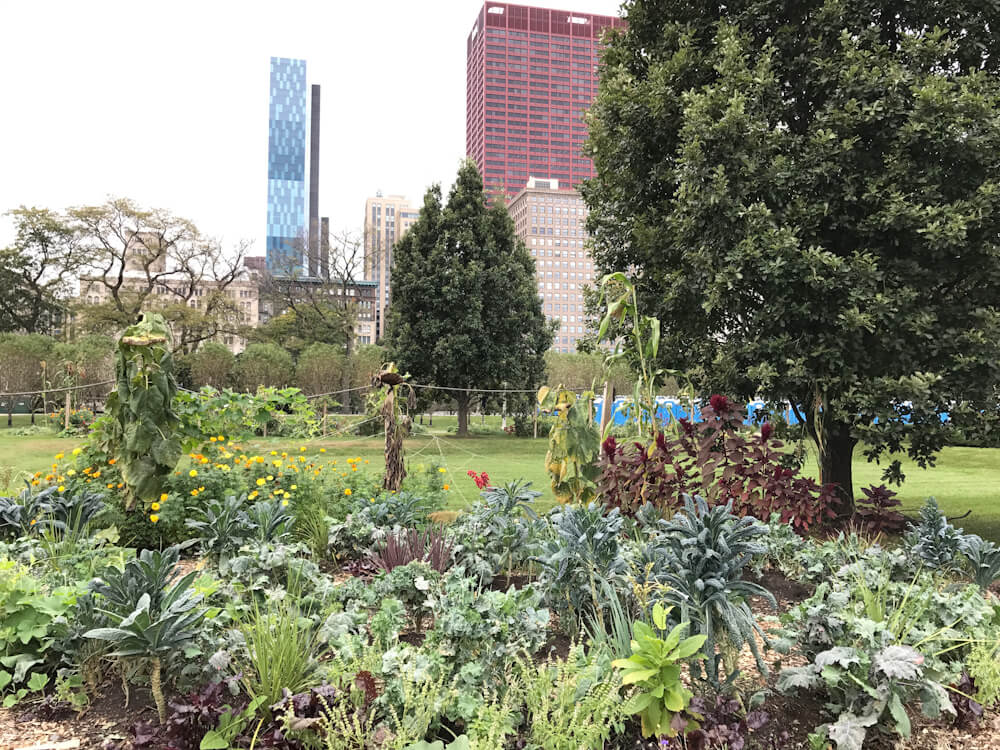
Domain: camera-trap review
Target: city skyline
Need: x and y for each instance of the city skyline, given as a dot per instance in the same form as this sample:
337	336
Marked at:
186	133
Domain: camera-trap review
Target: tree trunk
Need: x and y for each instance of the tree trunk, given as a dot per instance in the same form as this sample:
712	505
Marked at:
463	414
835	451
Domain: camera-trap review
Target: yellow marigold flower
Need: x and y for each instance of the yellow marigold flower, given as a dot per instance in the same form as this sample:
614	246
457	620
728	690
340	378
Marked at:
347	491
154	518
61	488
322	450
302	448
366	460
302	459
253	495
33	522
294	487
276	462
96	474
316	473
284	503
201	489
258	459
212	439
59	456
76	451
71	473
49	477
270	477
194	493
193	473
35	482
163	497
38	474
442	470
354	468
284	454
221	438
261	482
155	506
120	485
274	453
111	485
204	460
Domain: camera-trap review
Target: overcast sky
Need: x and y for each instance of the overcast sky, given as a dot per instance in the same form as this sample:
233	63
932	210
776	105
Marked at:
166	102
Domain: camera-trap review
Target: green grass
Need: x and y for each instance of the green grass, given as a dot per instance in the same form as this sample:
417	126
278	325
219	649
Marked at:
964	478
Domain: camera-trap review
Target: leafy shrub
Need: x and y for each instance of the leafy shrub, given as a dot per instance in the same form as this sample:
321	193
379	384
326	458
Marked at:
148	574
404	547
584	550
935	541
27	625
411	584
524	426
708	549
984	559
983	664
498	532
876	510
20	515
725	723
655	669
716	459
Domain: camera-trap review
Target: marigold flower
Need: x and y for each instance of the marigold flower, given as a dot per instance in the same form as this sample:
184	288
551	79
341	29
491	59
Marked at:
112	461
302	448
33	522
212	439
61	488
59	456
261	482
274	453
193	473
366	460
294	487
347	491
76	451
270	477
221	438
163	497
111	485
155	506
284	503
194	493
446	488
253	494
154	518
322	450
71	472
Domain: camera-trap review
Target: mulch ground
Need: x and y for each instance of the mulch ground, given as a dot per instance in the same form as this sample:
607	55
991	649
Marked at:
107	723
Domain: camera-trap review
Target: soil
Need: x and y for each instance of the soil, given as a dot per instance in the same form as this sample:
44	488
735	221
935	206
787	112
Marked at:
105	725
502	583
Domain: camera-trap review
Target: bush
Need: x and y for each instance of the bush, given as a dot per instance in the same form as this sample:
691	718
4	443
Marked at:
717	460
524	426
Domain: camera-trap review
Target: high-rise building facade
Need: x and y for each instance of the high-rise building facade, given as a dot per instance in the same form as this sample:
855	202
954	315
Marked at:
387	218
551	223
531	74
286	164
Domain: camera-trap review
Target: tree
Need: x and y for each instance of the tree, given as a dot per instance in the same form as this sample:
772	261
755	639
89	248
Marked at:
211	365
148	258
36	271
85	360
21	356
807	197
263	365
465	311
320	369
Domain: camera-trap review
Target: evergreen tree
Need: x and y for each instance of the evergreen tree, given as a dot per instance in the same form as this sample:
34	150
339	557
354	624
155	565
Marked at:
807	195
465	312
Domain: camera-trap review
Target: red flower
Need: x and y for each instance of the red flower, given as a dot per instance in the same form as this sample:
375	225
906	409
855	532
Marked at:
686	425
719	403
765	431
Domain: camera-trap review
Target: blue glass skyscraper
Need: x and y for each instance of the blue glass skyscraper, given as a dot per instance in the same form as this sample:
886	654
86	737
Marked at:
286	165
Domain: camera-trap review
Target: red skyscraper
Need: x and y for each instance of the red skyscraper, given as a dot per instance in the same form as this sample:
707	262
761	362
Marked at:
531	73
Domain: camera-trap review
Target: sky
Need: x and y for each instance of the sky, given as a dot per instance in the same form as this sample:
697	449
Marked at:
166	102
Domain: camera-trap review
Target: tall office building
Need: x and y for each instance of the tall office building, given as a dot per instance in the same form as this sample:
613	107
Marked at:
551	223
286	164
531	74
387	218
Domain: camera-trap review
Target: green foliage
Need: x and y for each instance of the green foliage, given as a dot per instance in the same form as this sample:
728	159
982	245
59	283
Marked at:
497	533
223	526
467	251
984	559
27	628
759	188
265	365
571	703
707	551
236	415
574	443
211	365
935	541
655	669
141	431
983	664
583	555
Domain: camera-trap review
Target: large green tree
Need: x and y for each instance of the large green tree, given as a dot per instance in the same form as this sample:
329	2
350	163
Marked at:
806	194
465	312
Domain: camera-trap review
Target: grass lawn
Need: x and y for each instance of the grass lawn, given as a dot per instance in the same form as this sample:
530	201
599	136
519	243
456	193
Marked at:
964	478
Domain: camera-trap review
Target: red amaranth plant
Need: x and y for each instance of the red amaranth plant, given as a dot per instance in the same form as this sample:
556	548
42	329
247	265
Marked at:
876	510
482	480
717	459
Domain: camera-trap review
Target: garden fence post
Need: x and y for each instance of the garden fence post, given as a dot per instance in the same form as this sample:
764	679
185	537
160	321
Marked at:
69	402
609	397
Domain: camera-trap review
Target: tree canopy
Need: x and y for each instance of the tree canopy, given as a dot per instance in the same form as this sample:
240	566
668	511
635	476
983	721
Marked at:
465	312
806	195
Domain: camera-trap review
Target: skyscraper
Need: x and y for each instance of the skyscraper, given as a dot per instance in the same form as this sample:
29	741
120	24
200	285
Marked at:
531	73
286	164
387	218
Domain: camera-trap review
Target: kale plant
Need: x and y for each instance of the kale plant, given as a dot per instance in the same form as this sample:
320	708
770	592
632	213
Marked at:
935	541
584	551
984	559
709	549
223	527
